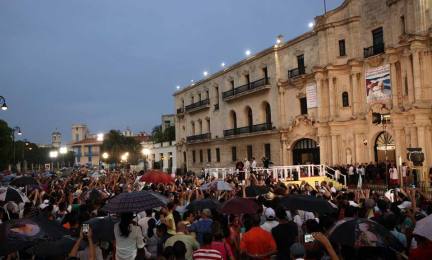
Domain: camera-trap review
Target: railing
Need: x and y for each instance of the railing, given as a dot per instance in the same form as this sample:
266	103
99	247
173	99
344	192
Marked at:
200	137
296	72
283	173
248	129
180	110
373	50
249	87
199	104
91	154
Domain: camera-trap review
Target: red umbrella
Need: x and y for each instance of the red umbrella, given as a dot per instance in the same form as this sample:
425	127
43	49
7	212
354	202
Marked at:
238	206
157	177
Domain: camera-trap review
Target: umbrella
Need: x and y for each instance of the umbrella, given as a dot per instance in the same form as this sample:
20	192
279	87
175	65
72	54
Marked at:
102	228
24	181
157	177
424	227
60	247
22	233
357	233
238	206
133	202
12	194
307	203
197	205
217	185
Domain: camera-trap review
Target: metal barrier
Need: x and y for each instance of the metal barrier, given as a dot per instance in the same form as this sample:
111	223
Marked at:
284	173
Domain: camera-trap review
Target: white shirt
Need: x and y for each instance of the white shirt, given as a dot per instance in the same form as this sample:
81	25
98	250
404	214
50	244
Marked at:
269	225
394	174
404	171
143	223
254	164
351	170
127	247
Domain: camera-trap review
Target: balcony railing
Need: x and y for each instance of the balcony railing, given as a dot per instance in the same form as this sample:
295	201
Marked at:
180	110
91	154
296	72
247	88
248	129
198	105
373	50
195	138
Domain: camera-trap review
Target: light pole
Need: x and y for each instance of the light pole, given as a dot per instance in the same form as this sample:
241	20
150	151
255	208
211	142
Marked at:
16	128
63	151
3	103
105	157
146	153
53	155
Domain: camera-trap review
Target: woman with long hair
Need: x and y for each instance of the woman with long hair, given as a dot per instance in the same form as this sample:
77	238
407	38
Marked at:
128	238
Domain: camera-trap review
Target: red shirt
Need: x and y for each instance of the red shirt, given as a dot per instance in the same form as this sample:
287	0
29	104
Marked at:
423	252
258	242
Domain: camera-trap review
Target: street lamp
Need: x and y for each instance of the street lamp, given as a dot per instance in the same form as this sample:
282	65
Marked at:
105	155
146	153
124	157
100	137
3	102
53	155
16	128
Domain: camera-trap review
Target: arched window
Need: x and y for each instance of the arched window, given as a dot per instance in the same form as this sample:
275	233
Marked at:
233	119
267	110
193	127
200	127
249	117
345	99
208	125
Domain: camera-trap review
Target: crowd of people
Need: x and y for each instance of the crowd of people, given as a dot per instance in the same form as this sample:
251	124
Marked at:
182	229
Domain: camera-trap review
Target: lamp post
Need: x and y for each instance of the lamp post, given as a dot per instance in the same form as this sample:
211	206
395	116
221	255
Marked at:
63	151
16	128
53	155
146	153
3	103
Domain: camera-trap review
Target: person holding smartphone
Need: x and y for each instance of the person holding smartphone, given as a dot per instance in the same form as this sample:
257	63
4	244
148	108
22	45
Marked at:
90	252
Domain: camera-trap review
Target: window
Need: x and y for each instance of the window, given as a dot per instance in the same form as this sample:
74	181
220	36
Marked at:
342	51
217	155
378	36
209	155
217	97
405	86
303	106
247	78
267	152
345	99
300	64
201	156
249	152
199	97
234	154
170	161
265	72
207	94
76	137
184	157
402	21
193	156
232	84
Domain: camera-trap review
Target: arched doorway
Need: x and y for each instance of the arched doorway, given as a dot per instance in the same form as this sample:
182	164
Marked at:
385	142
267	112
306	151
233	117
249	118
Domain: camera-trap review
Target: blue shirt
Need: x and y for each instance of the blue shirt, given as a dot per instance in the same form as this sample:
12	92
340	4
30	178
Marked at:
201	227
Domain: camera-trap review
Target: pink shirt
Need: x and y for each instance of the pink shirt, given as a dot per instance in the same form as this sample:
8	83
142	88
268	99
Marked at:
223	248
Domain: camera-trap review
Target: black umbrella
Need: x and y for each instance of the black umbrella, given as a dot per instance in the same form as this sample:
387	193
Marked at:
23	233
307	203
357	233
12	194
197	205
24	181
60	247
253	190
102	228
133	202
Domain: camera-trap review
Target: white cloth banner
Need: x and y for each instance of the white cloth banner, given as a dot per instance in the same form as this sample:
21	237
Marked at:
311	96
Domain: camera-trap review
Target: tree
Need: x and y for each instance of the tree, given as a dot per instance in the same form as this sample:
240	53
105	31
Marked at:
5	145
115	144
159	136
169	134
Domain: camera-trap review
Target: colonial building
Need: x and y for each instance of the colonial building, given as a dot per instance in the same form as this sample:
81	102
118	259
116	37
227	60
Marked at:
311	99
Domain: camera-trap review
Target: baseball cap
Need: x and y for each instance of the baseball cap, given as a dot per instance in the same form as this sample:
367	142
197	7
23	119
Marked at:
270	214
405	205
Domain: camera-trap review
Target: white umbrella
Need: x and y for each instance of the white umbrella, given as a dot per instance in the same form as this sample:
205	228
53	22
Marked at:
424	227
217	185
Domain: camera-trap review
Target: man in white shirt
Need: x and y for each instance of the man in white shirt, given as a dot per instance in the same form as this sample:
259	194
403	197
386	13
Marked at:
254	163
270	222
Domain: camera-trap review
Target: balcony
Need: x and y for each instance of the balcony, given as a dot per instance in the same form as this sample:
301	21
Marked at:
198	138
198	105
180	111
373	50
246	89
91	154
296	72
248	129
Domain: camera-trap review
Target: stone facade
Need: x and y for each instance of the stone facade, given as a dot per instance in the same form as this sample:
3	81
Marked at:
277	114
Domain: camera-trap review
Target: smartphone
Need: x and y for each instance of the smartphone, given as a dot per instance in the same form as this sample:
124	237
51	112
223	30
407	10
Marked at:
85	229
308	238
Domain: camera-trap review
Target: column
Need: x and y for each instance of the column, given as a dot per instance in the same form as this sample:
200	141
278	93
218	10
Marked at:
421	135
332	100
394	84
409	74
417	75
414	140
355	93
335	150
320	100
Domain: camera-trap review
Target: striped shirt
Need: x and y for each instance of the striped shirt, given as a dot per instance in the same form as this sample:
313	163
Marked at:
207	254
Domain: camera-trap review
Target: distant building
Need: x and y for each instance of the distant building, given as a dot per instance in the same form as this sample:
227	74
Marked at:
56	139
167	121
